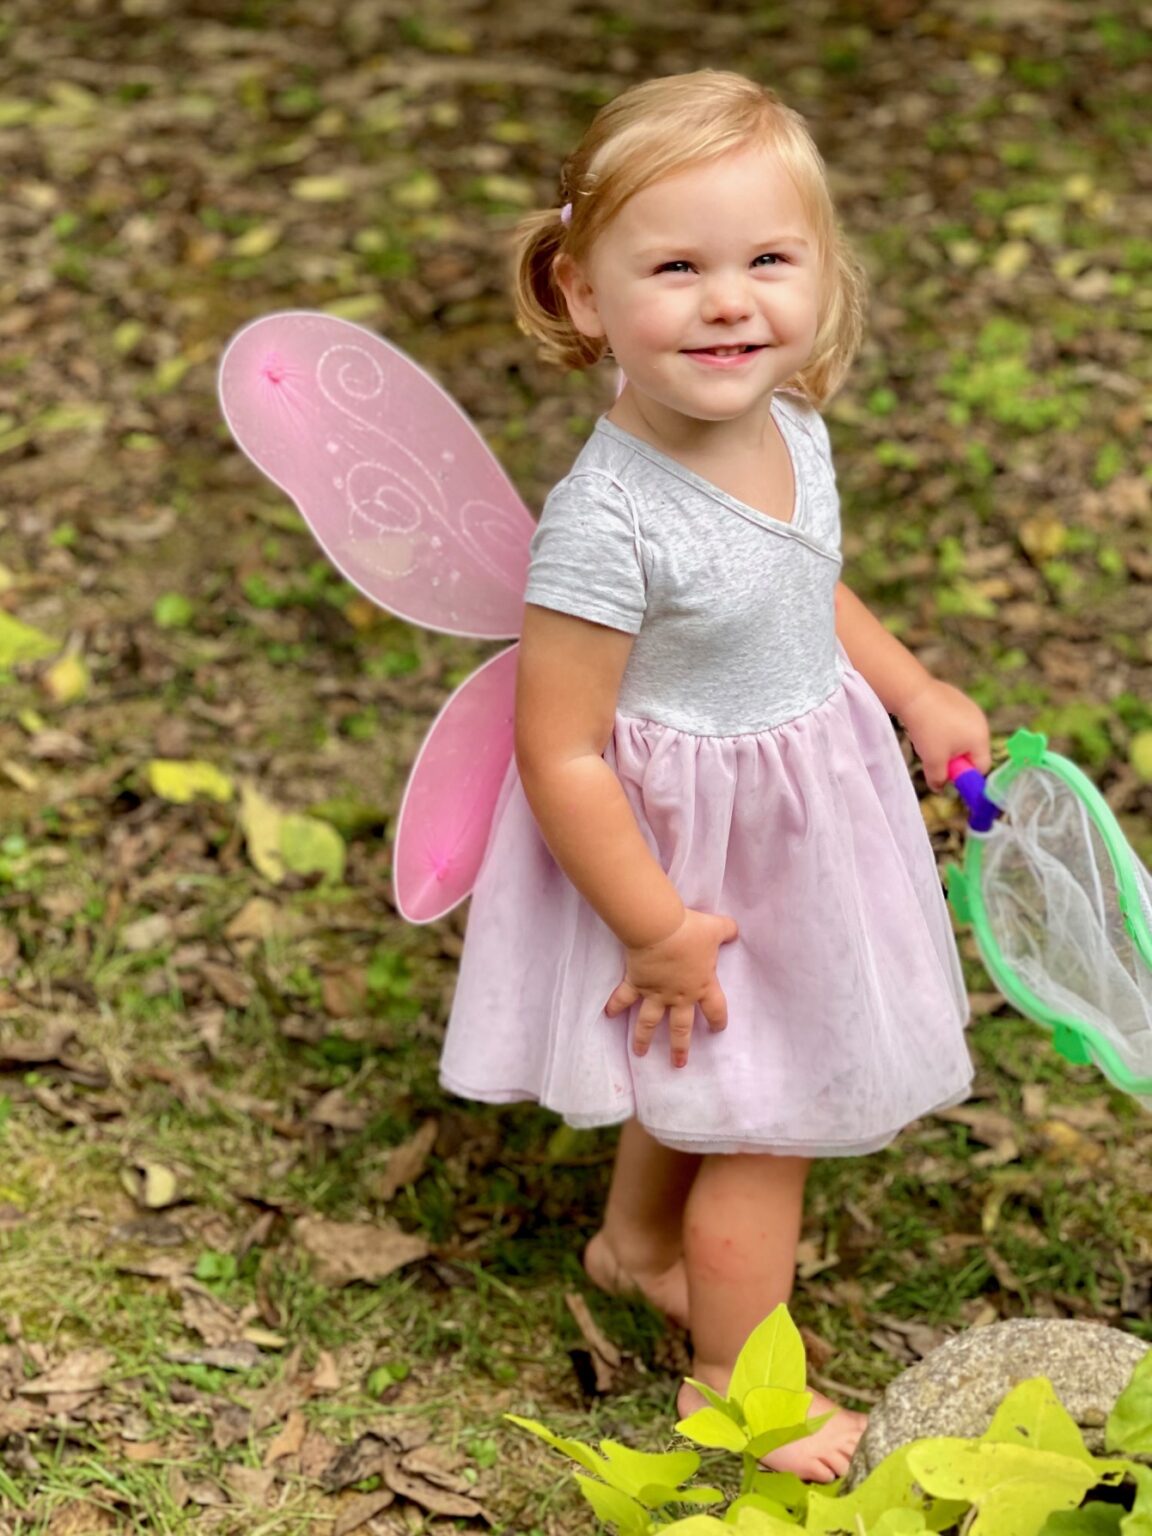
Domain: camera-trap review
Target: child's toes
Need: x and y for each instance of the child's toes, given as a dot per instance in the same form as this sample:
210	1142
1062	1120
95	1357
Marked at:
825	1455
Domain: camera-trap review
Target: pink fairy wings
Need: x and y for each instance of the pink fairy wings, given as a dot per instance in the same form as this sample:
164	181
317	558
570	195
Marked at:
399	488
455	783
409	504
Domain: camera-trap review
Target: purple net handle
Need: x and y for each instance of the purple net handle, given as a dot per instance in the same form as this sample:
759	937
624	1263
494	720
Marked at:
969	782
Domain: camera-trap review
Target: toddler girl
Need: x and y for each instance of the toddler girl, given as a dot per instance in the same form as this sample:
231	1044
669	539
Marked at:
709	910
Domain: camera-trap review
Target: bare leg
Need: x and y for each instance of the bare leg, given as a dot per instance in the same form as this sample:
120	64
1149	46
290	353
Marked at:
640	1247
741	1228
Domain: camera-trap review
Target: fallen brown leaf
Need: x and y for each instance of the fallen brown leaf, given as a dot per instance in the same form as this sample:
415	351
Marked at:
603	1356
353	1463
177	1485
80	1518
817	1350
251	1485
260	918
359	1509
334	1111
48	1047
146	933
348	1251
237	1356
343	992
231	1424
406	1162
424	1492
365	1456
207	1494
317	1454
987	1125
288	1441
82	1371
71	1113
439	1465
232	987
207	1315
326	1377
142	1450
271	1404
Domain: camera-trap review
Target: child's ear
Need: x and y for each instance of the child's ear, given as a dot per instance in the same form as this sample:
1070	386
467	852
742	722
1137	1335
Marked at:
579	296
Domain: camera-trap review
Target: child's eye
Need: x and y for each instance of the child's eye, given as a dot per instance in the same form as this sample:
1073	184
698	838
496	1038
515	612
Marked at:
675	266
769	259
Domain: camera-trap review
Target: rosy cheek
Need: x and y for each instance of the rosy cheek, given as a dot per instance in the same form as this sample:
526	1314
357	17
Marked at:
649	323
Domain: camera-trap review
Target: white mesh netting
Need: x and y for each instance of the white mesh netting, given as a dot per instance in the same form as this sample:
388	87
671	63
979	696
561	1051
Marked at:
1052	901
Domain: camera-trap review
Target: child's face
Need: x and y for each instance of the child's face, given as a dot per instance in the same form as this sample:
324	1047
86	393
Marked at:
705	287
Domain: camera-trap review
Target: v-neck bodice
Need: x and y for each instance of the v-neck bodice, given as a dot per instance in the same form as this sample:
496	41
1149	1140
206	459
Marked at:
702	483
733	611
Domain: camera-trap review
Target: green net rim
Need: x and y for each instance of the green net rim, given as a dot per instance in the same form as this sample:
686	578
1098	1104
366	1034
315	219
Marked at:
1074	1039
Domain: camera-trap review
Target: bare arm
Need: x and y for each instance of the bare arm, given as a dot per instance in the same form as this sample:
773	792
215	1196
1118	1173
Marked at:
942	722
887	666
567	685
566	691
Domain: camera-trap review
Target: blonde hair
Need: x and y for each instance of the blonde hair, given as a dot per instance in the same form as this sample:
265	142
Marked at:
655	130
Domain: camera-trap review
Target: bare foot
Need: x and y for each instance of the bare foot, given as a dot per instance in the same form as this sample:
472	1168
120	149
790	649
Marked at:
666	1289
817	1458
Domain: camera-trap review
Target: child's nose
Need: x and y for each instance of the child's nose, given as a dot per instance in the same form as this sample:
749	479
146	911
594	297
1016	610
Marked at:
726	298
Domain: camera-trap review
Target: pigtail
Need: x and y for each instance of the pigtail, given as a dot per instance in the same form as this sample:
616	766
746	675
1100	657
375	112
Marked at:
541	311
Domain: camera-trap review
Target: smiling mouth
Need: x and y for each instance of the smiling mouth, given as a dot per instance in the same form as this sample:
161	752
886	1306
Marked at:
752	346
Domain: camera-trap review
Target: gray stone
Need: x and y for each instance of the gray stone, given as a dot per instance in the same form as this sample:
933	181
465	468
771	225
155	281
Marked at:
957	1388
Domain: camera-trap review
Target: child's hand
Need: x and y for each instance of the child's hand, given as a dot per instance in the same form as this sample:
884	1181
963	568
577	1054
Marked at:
676	976
944	723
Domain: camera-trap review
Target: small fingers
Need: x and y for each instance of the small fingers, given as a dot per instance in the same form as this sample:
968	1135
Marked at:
714	1007
728	928
648	1016
680	1021
621	1000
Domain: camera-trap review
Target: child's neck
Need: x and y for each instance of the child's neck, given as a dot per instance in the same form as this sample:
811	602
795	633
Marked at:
689	439
747	457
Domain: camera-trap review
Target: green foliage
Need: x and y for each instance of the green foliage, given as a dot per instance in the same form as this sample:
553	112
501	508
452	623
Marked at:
1129	1424
996	381
1030	1473
173	611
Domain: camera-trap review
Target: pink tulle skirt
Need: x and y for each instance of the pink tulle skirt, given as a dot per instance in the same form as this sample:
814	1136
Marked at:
845	998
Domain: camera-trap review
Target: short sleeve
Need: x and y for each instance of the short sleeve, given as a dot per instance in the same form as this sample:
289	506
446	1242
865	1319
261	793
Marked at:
586	554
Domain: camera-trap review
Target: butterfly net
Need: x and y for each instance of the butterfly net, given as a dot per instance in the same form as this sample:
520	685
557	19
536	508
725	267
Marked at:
1054	890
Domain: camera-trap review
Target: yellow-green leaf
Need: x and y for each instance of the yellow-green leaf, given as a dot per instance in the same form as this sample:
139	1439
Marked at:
1129	1426
1032	1415
615	1508
20	642
767	1408
772	1356
181	782
888	1486
311	847
1011	259
710	1427
1140	755
634	1471
151	1185
261	822
258	240
66	680
418	192
1013	1489
322	189
580	1453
